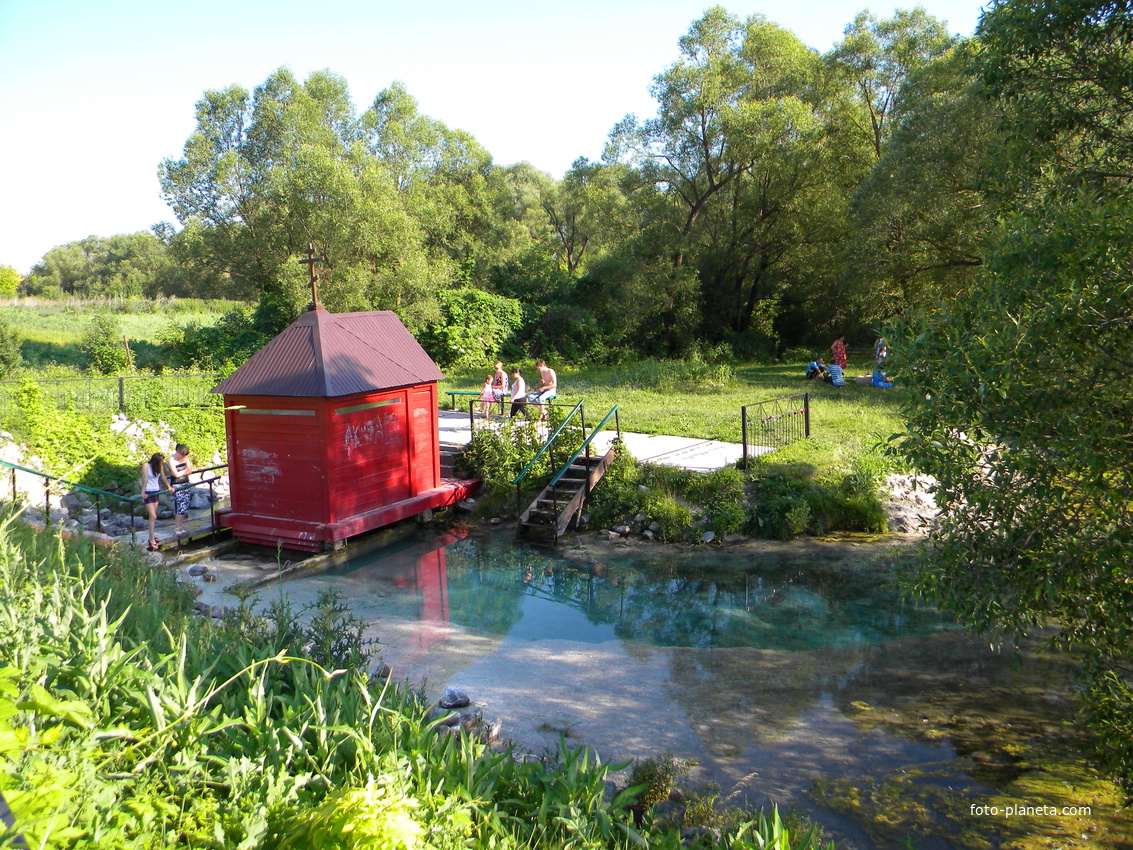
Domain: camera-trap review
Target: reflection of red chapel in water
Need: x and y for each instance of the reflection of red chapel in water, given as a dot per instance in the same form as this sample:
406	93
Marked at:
332	432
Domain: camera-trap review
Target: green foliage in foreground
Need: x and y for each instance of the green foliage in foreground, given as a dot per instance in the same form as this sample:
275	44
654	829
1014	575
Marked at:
1021	401
124	722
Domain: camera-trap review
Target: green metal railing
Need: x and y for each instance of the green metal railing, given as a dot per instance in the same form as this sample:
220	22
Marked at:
100	495
553	483
547	448
586	443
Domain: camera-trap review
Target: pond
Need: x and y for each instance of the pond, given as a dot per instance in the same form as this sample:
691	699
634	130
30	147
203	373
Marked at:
787	673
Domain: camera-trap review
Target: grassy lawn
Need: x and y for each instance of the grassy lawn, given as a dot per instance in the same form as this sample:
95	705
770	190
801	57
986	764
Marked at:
845	421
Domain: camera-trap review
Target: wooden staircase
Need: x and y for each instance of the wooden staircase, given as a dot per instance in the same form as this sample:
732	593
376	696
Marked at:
560	503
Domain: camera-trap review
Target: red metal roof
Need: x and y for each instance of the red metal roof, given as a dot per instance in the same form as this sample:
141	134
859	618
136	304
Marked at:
323	354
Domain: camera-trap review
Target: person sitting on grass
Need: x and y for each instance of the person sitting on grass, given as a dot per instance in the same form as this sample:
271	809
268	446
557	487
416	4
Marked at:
815	369
835	375
880	379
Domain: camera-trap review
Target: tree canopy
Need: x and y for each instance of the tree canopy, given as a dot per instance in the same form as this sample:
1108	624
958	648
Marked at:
1020	401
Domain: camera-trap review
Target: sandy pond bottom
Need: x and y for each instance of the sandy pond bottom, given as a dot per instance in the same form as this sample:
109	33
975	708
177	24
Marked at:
791	673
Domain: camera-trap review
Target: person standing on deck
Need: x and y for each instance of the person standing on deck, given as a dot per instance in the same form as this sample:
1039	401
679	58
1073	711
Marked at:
180	469
153	482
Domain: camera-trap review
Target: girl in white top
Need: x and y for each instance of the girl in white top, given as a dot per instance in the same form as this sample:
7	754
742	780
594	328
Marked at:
518	393
153	482
486	397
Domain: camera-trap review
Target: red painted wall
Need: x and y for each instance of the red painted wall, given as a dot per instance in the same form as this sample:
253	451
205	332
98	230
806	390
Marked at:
326	460
275	462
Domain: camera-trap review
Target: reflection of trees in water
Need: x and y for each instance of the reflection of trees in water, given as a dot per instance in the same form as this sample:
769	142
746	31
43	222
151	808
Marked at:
713	602
985	703
796	611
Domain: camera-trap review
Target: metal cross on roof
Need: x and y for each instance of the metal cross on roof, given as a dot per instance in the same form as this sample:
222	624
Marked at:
310	264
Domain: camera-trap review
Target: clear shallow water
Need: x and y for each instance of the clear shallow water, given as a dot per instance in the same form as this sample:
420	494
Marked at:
706	600
778	670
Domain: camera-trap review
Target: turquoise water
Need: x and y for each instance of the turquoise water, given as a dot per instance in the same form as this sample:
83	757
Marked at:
704	599
792	674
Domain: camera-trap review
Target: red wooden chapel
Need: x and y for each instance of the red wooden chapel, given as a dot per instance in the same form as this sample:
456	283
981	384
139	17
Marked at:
332	431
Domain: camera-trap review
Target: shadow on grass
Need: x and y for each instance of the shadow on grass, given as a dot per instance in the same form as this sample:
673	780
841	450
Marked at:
40	355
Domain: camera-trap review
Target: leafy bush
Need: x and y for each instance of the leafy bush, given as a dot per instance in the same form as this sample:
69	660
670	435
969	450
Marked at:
619	493
223	346
784	505
103	345
10	356
474	327
498	454
657	776
721	493
674	518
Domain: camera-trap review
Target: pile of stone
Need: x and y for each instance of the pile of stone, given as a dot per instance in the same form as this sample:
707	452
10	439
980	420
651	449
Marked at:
77	511
910	503
453	714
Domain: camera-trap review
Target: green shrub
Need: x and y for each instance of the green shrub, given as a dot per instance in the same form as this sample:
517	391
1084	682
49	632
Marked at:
674	518
657	776
721	493
379	814
784	506
475	326
619	492
10	356
104	345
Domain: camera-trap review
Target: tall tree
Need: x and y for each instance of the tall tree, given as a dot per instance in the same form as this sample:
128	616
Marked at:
265	175
1020	403
460	199
919	222
876	57
10	280
743	164
585	211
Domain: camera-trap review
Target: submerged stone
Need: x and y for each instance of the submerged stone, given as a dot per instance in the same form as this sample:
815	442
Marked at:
454	698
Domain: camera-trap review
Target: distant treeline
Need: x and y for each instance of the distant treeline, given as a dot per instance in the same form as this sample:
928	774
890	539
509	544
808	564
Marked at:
778	196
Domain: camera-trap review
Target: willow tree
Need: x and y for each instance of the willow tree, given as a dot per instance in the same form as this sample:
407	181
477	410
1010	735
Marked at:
1020	401
739	170
266	174
919	222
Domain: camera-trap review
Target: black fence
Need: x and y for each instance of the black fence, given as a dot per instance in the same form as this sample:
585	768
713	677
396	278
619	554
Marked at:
130	393
770	425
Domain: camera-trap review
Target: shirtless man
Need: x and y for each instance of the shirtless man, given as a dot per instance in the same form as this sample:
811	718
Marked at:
546	389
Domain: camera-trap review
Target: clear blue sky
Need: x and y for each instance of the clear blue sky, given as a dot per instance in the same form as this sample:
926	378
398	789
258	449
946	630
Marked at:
94	94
